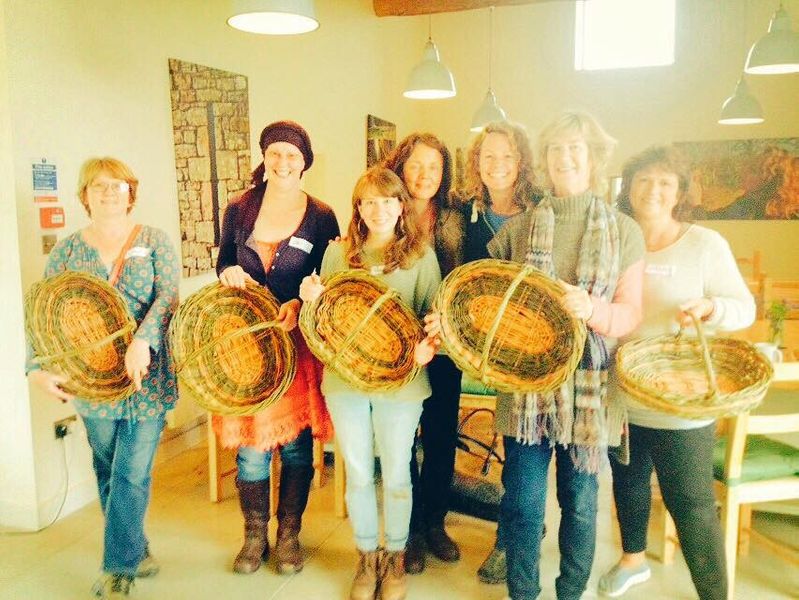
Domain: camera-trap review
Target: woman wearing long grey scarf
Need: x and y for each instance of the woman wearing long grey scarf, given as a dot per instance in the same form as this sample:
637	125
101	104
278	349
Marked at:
575	236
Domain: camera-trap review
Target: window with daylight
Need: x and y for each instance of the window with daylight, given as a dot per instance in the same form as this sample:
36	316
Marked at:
621	34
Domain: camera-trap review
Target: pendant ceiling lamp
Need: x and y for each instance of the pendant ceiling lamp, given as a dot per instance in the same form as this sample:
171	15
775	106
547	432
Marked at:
274	17
489	110
776	52
430	79
742	108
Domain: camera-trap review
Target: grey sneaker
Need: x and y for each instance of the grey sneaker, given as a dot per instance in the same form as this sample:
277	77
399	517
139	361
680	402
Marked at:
620	579
494	568
112	586
148	567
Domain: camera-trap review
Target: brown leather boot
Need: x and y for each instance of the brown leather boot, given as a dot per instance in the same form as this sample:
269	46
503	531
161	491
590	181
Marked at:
364	584
254	500
415	552
393	583
441	545
295	483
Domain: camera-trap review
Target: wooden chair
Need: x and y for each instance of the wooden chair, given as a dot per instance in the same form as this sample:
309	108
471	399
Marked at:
751	268
751	467
222	470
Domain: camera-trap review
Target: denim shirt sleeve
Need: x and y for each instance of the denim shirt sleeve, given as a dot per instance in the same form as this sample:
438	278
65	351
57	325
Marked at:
154	325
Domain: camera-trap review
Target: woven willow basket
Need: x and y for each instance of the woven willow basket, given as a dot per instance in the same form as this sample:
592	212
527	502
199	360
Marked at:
694	378
79	326
361	329
229	350
503	323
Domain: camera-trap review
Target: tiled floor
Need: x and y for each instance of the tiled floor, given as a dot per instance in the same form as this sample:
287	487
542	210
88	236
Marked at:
195	542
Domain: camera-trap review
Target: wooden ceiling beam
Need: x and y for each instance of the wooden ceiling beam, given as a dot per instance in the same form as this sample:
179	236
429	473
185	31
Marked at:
404	8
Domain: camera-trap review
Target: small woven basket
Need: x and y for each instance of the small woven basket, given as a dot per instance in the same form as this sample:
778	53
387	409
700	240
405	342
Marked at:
79	326
503	323
229	350
693	377
361	329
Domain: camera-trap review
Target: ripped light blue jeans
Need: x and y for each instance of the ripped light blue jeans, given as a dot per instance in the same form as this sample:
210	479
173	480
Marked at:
361	419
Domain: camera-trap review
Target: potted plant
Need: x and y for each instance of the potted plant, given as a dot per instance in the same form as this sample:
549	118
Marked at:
776	313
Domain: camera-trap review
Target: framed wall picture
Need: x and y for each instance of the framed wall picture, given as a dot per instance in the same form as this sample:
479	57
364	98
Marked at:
381	137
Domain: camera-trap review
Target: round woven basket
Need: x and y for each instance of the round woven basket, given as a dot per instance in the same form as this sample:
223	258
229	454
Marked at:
503	323
361	329
693	377
229	351
79	326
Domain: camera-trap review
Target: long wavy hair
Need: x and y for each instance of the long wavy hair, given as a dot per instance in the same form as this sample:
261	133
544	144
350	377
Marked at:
408	244
523	189
399	156
670	160
600	147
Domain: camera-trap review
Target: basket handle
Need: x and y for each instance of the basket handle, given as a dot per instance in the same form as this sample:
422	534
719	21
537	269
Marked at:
385	297
87	348
230	335
525	271
713	389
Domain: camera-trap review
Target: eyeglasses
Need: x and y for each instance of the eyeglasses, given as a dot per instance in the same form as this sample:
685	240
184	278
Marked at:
115	187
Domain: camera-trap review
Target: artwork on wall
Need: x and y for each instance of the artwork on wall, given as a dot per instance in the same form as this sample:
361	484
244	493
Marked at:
211	128
459	179
381	137
744	179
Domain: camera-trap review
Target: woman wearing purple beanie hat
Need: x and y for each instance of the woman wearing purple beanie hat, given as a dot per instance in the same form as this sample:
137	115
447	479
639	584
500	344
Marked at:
275	234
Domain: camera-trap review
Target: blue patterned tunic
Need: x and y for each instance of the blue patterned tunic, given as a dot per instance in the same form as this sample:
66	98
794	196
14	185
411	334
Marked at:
149	285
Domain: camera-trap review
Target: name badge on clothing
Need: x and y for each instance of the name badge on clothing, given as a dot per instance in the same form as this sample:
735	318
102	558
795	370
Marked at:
660	270
302	244
138	252
377	270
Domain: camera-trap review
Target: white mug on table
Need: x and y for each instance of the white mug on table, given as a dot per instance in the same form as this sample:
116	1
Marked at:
770	351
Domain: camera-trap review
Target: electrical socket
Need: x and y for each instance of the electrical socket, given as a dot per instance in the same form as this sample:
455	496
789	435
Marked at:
63	426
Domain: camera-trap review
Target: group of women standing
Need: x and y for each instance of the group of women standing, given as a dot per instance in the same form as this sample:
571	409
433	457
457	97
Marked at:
407	229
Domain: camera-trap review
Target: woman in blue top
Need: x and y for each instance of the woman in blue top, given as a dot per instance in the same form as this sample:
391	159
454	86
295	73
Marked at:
123	435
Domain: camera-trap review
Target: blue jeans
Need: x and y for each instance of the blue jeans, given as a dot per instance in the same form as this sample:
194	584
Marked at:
522	516
360	419
254	464
122	453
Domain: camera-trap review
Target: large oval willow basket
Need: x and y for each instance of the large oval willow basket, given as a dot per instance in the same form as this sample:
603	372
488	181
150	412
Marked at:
79	326
694	377
229	351
361	329
503	323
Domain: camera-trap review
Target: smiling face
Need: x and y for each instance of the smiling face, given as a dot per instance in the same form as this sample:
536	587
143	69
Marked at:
499	163
283	164
569	164
654	192
379	213
107	197
422	172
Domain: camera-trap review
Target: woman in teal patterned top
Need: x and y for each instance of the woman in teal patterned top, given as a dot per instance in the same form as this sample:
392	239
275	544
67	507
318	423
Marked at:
124	434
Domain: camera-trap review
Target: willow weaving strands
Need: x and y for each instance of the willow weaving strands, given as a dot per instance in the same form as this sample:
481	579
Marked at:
79	326
694	377
504	325
230	351
361	329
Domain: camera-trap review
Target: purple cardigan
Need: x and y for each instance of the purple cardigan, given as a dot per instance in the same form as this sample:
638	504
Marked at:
296	256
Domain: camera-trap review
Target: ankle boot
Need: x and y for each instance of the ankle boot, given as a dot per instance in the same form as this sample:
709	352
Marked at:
295	483
364	584
254	500
393	583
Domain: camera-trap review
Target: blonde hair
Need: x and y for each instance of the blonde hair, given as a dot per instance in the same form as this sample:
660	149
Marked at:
93	167
600	147
408	244
523	188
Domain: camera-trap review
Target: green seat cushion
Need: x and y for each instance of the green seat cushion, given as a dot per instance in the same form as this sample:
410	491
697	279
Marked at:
472	386
764	458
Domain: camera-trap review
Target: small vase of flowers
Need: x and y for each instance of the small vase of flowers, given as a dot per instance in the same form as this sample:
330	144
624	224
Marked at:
776	313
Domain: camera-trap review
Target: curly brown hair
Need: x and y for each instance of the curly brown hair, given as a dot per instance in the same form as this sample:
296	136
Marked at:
408	244
524	188
671	160
399	156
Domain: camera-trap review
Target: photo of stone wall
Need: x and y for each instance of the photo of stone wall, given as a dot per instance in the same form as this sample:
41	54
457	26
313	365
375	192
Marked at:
211	126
